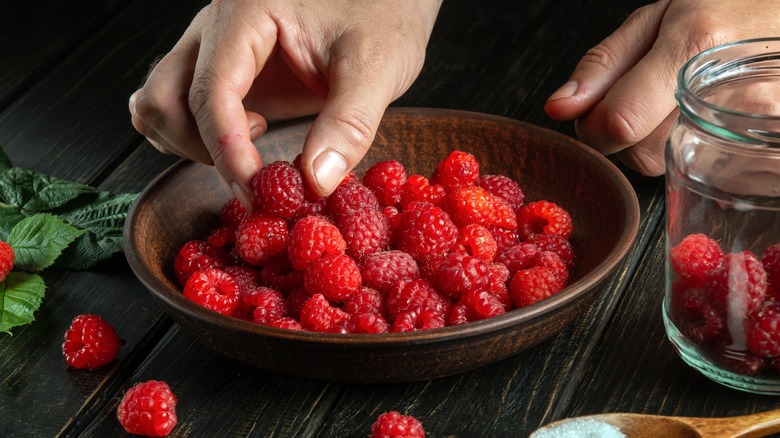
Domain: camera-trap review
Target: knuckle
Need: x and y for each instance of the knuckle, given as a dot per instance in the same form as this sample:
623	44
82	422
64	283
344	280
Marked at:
358	127
150	110
623	125
600	55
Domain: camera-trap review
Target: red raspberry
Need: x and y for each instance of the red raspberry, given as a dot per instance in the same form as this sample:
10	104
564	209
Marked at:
247	279
370	323
222	237
457	314
232	213
296	299
505	188
384	269
213	289
556	244
477	241
318	315
481	304
504	238
337	277
695	314
499	277
533	284
287	323
148	408
385	179
771	262
288	282
278	190
365	300
366	231
194	256
415	294
762	330
470	205
458	275
426	231
314	208
419	318
694	257
456	170
518	257
6	260
311	238
267	305
543	217
394	425
259	237
350	197
553	262
277	266
740	282
90	342
417	188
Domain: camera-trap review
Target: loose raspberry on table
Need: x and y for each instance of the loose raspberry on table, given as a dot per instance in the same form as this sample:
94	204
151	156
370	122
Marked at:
385	179
771	261
259	237
543	217
533	284
365	300
337	277
459	274
318	315
365	231
213	289
694	257
90	342
395	425
311	238
518	257
232	213
384	269
196	255
556	244
417	188
505	188
762	330
415	294
476	240
350	197
148	408
456	170
739	282
426	231
278	190
6	260
419	318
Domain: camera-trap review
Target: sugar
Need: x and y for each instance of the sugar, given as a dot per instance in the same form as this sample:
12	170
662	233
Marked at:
580	428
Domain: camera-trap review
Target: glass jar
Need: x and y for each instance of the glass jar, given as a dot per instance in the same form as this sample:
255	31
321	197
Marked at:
722	301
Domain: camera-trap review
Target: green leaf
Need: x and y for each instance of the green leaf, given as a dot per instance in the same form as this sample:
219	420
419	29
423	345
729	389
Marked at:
5	162
39	239
89	250
9	217
103	213
20	297
33	192
16	186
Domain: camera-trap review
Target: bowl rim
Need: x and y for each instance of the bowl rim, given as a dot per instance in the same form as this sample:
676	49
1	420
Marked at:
571	293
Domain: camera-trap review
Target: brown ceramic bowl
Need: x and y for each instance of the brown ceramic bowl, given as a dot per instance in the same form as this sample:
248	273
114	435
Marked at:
182	204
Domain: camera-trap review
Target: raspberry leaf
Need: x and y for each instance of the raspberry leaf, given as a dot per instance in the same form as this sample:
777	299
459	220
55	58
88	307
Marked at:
20	296
9	217
39	239
33	192
89	250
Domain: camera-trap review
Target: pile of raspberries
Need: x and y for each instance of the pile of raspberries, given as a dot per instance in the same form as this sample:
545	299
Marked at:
728	303
390	252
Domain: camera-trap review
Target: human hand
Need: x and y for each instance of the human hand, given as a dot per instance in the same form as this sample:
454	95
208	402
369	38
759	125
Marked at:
622	91
243	63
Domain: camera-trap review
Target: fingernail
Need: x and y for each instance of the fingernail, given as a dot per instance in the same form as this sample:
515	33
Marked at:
256	132
242	196
329	169
567	90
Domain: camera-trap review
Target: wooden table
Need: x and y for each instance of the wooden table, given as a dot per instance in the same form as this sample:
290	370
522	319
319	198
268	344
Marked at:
66	71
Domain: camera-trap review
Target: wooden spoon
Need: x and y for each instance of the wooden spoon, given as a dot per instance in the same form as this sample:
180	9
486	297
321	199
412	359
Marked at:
645	425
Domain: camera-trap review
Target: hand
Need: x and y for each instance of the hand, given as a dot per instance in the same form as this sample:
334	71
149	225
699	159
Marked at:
244	63
622	91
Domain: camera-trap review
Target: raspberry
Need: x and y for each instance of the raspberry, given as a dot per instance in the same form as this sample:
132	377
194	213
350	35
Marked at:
553	262
771	261
365	231
232	213
456	170
426	231
695	313
504	238
694	257
259	237
499	276
222	237
518	257
296	299
287	323
148	408
533	284
318	315
384	269
394	425
287	282
458	275
418	318
370	323
6	260
311	238
90	342
481	304
337	277
505	188
277	266
457	314
247	280
556	244
477	241
350	197
739	283
543	217
415	294
194	256
470	205
385	179
417	188
365	300
762	330
213	289
278	190
267	305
